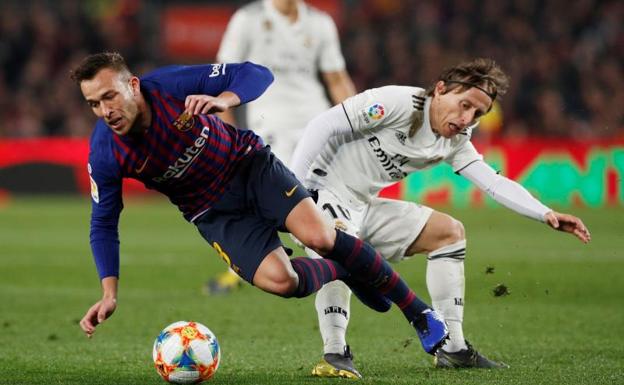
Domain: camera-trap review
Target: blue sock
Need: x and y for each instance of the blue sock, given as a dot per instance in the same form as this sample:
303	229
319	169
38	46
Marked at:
366	265
314	273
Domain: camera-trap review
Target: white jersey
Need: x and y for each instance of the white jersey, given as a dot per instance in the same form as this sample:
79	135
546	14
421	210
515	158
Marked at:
295	53
390	137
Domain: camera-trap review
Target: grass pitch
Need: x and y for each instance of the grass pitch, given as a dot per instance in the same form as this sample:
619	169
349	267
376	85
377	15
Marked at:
562	322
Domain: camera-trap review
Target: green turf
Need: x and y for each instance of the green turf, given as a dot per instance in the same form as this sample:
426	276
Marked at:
562	323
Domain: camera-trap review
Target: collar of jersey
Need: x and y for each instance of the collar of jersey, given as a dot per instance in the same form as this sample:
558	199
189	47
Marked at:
302	12
425	134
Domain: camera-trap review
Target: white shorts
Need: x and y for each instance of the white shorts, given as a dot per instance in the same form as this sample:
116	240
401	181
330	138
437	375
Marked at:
389	225
281	135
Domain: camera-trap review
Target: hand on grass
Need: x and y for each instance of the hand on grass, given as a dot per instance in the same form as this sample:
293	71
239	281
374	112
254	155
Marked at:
97	314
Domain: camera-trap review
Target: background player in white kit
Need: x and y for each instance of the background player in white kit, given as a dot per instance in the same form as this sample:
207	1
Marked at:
297	43
376	138
300	45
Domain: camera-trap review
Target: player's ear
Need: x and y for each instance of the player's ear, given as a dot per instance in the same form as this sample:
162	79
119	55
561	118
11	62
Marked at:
135	85
440	88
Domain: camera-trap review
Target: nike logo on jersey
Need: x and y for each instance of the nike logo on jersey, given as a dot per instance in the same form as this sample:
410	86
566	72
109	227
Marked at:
290	192
140	169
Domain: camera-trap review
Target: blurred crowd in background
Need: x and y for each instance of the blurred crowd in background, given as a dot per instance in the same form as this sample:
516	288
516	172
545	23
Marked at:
565	59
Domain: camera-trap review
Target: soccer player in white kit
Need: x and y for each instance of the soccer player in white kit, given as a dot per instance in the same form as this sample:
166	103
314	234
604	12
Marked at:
297	43
376	138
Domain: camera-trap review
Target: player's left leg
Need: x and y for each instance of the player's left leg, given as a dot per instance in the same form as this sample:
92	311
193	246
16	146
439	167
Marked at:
443	239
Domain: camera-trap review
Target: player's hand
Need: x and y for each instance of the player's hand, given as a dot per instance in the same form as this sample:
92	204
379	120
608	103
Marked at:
204	104
97	314
569	224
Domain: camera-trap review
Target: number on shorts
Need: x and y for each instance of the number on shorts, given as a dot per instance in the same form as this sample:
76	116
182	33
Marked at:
345	213
222	253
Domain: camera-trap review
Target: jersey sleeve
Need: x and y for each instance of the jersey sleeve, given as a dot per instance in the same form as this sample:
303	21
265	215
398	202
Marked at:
463	155
505	191
247	80
379	107
106	206
331	58
234	45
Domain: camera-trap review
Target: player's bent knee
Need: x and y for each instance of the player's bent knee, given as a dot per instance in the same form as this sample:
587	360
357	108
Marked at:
284	286
276	275
457	232
450	231
284	289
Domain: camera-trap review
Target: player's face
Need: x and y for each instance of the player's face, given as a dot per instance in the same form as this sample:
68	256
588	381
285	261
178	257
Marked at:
455	110
113	97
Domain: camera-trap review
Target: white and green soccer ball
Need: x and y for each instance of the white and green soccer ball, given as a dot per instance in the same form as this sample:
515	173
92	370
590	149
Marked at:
186	353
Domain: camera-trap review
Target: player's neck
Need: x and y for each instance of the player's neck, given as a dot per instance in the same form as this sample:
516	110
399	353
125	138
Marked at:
145	116
433	121
287	8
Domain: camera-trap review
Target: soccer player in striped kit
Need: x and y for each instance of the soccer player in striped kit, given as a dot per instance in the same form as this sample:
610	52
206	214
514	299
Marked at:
160	131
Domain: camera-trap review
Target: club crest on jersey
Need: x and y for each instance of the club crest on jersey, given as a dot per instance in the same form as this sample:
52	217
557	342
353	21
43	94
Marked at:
184	122
401	137
376	111
307	42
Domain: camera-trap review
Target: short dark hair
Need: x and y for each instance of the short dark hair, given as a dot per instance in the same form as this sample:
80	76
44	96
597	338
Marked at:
480	73
92	64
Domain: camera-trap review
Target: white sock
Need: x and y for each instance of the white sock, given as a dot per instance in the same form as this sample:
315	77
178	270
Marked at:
332	306
446	284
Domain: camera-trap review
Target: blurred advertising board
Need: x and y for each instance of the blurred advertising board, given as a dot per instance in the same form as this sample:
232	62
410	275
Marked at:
558	172
193	31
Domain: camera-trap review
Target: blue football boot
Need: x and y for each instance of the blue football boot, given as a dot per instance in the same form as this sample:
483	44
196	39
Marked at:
431	330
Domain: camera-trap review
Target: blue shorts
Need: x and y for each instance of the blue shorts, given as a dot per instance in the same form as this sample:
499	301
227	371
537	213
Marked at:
242	226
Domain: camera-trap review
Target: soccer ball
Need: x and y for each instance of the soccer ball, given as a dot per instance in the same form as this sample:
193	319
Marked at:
186	353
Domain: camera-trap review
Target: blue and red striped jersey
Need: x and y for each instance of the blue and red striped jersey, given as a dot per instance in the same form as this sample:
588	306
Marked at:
190	159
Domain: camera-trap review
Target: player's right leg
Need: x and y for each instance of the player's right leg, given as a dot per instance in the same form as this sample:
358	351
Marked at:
250	245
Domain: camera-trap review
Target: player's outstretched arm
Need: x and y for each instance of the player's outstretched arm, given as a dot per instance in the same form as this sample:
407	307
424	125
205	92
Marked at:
512	195
102	309
569	224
